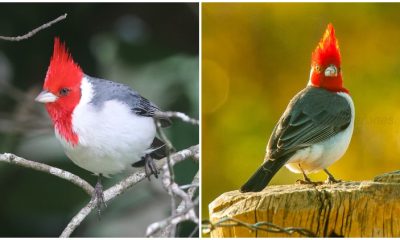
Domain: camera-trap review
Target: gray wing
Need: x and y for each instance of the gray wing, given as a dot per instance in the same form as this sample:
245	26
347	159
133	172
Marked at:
312	116
107	90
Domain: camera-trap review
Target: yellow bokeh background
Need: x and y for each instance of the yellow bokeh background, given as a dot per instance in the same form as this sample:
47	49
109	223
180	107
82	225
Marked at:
256	57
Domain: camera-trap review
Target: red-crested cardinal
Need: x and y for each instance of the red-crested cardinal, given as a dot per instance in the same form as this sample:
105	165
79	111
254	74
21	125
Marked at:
316	127
104	127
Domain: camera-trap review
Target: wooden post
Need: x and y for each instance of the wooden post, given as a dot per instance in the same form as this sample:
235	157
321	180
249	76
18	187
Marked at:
348	209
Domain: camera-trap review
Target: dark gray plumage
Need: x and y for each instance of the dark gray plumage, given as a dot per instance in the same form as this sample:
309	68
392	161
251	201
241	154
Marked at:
312	116
106	90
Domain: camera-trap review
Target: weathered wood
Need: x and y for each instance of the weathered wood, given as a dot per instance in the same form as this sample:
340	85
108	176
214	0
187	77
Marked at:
349	209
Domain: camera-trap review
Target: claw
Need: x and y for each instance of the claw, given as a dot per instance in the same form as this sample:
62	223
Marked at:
301	181
306	180
331	179
150	167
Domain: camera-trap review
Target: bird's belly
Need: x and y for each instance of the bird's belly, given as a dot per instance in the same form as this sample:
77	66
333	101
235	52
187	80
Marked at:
105	161
321	155
110	140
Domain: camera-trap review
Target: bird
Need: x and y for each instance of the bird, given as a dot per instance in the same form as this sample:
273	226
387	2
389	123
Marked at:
103	126
316	128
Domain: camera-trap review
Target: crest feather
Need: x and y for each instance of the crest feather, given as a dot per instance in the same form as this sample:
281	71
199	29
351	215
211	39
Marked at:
327	50
62	66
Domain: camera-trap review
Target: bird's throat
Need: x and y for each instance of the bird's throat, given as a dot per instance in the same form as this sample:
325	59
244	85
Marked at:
62	120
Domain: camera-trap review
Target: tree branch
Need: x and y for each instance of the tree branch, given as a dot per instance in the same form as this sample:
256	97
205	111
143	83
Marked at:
191	192
187	214
34	31
13	159
183	212
124	185
180	115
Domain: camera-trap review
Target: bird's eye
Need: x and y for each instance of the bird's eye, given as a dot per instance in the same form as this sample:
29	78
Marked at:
64	91
317	68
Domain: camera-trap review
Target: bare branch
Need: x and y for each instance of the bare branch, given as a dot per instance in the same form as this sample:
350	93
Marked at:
123	186
192	185
173	190
187	214
184	212
191	192
13	159
34	31
179	115
167	227
195	230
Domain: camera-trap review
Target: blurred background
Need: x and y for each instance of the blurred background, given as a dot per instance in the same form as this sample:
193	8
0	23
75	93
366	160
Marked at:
151	47
256	57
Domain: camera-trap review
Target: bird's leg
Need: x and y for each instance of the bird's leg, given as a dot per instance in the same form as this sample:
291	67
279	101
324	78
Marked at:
99	195
150	167
306	180
330	179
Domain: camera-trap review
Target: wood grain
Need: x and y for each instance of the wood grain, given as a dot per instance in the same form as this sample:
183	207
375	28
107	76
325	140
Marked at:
349	209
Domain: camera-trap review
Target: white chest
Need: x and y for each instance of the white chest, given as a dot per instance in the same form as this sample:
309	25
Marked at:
324	154
111	138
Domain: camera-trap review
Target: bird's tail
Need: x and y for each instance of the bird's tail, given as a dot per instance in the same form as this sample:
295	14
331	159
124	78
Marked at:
260	179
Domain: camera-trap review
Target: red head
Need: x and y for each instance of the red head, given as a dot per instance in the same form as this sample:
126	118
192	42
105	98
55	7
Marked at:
326	63
61	90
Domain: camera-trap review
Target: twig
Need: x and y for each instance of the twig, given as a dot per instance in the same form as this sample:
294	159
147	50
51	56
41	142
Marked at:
191	192
13	159
179	115
187	214
34	31
173	190
195	230
187	186
208	226
123	186
183	212
167	227
168	173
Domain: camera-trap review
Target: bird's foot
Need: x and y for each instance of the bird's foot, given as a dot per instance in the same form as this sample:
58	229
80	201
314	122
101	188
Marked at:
332	180
308	181
99	196
150	167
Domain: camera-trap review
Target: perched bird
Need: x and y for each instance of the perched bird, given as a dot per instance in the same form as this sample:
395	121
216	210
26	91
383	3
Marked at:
104	127
317	125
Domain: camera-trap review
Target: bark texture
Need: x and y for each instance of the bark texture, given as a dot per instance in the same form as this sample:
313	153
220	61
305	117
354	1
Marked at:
349	209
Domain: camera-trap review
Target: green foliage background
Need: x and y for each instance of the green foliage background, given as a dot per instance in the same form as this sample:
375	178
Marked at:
256	57
153	48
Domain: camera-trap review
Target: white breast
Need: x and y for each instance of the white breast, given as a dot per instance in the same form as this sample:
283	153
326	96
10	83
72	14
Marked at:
324	154
111	138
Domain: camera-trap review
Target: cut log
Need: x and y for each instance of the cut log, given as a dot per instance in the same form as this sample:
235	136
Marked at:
348	209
